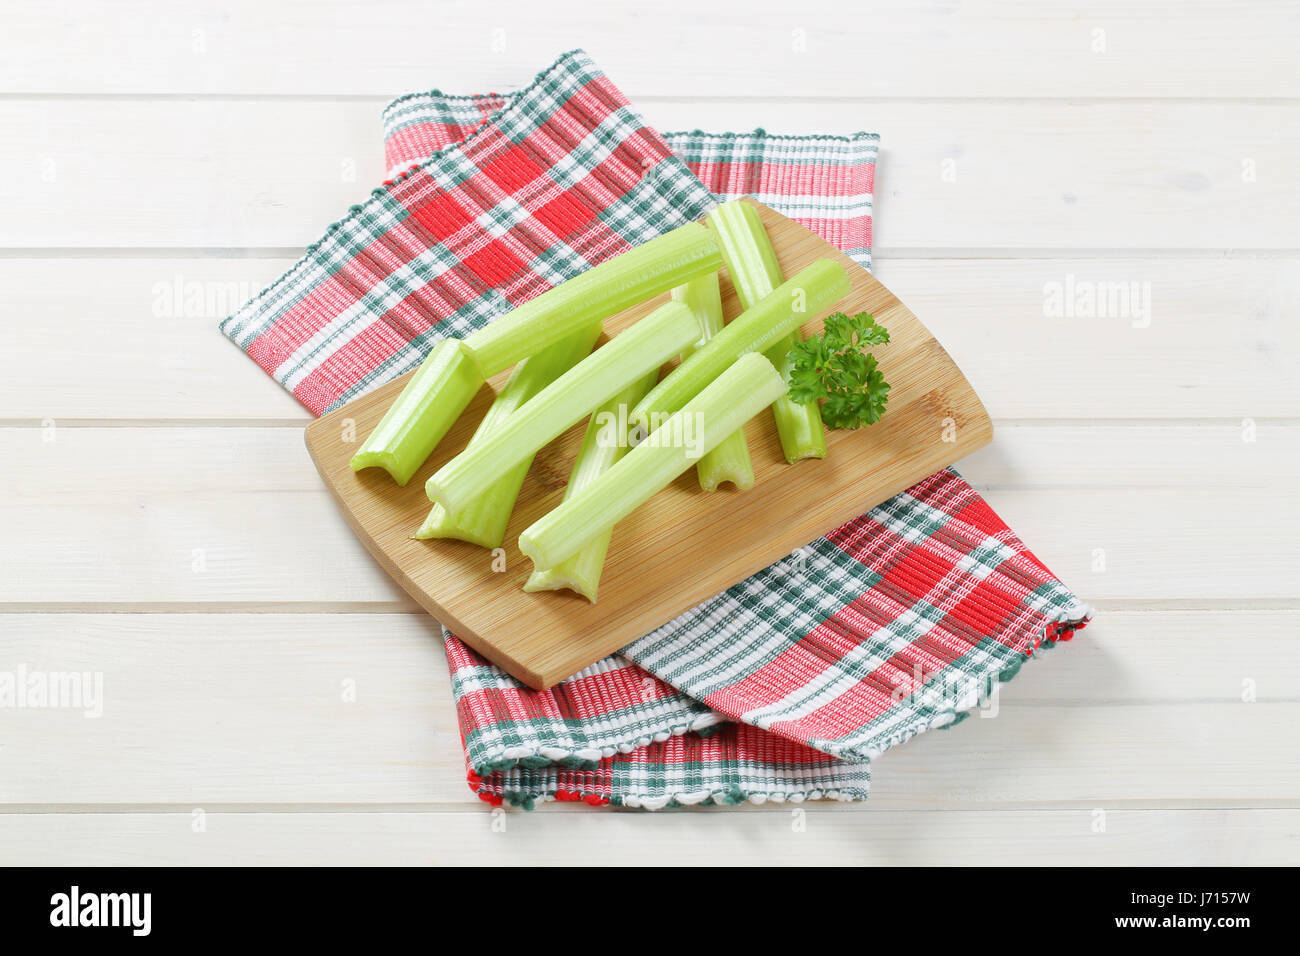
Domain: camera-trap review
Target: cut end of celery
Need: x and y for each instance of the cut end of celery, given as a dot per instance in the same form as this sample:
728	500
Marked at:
713	480
381	459
440	524
467	352
434	491
529	549
728	463
422	413
558	579
800	426
799	454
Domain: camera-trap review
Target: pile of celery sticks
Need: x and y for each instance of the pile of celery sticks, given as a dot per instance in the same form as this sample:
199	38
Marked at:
634	443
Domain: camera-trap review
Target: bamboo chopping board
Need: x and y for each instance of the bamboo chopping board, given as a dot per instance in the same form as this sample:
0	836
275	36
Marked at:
683	546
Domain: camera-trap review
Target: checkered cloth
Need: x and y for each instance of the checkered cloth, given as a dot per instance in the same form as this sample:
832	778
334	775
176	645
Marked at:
785	686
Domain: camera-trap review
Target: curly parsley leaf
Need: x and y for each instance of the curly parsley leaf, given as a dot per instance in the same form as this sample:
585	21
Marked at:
835	368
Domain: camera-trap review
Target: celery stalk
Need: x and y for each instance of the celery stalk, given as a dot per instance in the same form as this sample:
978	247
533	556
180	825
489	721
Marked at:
627	279
483	521
730	461
815	289
751	262
735	396
606	441
638	350
445	383
414	424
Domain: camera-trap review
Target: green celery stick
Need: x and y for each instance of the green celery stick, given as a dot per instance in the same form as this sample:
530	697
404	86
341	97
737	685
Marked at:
815	289
483	521
606	441
634	352
619	283
730	461
414	424
751	262
440	390
735	396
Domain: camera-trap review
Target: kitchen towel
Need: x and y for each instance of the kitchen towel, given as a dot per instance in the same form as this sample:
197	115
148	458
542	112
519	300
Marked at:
788	684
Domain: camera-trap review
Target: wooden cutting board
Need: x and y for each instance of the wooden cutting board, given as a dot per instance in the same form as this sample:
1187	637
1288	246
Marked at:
684	545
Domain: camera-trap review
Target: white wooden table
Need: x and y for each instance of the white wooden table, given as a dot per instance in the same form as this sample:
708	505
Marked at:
270	696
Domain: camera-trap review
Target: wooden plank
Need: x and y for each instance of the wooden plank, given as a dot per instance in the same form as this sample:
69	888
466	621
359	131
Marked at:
1071	457
542	638
1157	657
221	177
1028	174
133	338
203	515
1134	657
1059	754
224	708
1219	338
274	174
822	48
211	709
805	835
137	338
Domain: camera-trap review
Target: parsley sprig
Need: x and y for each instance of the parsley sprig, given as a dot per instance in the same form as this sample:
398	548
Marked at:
835	367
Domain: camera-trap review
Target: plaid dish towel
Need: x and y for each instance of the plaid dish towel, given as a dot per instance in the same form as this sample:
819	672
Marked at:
785	686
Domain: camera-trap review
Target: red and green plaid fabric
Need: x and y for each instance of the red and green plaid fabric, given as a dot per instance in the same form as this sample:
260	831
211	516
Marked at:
822	182
785	686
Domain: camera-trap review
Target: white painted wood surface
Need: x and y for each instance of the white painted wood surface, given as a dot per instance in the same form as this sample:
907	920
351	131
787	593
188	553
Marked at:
162	524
